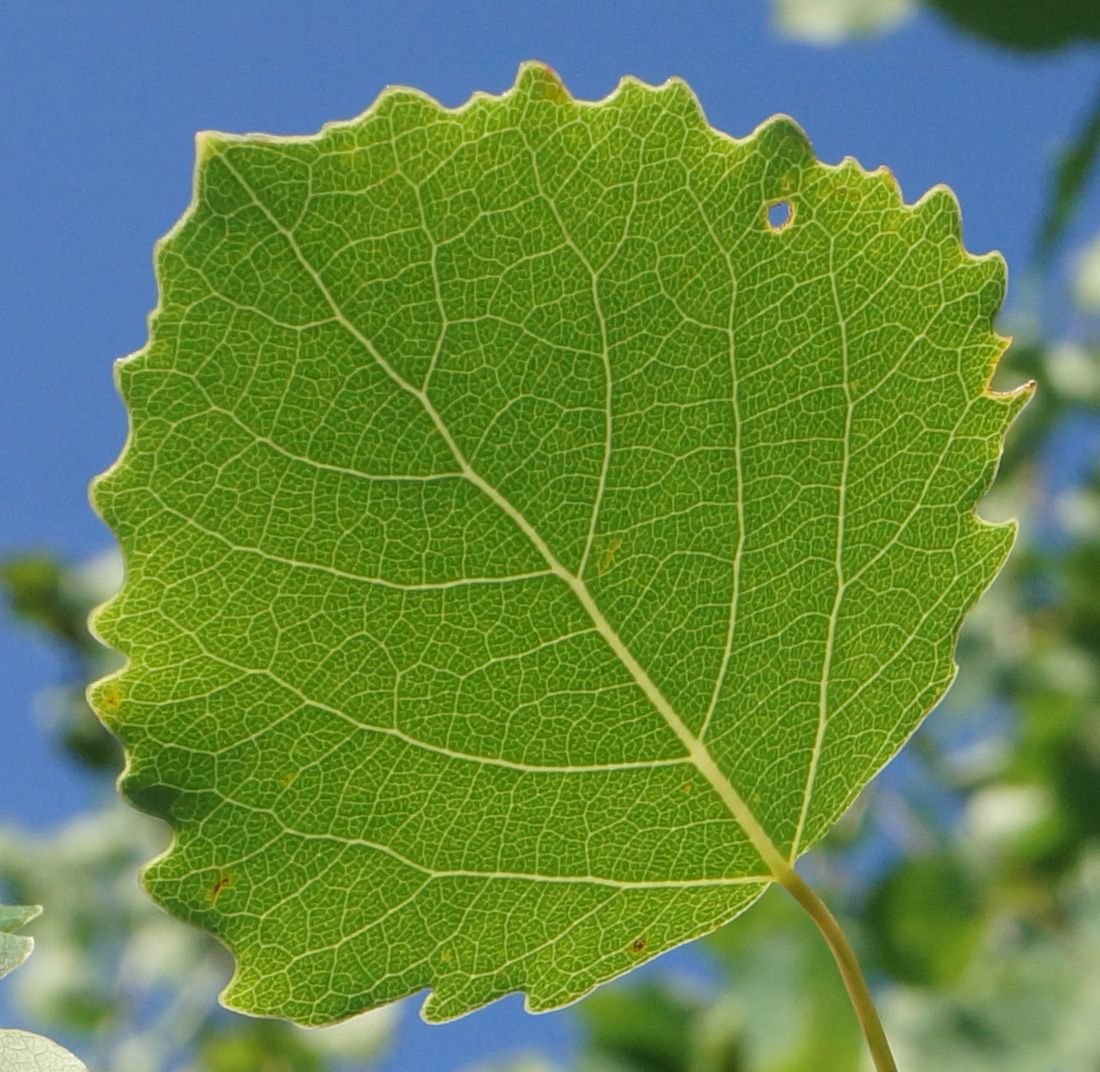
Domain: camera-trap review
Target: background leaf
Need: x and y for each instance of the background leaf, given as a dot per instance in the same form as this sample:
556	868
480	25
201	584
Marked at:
1025	25
20	1051
15	948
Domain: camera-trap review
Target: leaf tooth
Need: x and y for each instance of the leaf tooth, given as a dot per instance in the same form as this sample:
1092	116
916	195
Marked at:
539	81
783	136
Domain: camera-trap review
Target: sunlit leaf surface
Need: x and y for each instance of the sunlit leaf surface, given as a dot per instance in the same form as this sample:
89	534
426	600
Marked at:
538	517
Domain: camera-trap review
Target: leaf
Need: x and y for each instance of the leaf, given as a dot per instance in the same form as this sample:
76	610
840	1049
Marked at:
21	1051
927	918
532	545
50	595
15	948
1073	170
1028	1003
1024	24
1016	24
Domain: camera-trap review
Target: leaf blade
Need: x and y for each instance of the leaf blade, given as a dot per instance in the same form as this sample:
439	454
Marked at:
477	382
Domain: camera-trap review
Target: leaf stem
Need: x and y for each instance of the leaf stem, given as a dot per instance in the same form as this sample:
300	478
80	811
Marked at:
858	992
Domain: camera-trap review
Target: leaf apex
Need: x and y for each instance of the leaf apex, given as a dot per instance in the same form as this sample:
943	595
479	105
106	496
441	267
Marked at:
15	917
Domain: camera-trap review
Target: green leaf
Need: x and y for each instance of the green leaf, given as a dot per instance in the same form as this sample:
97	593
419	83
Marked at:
926	917
532	545
1028	1003
1073	170
15	948
1025	24
21	1051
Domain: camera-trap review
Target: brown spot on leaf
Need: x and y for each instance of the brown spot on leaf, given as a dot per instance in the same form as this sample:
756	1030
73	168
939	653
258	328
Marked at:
224	880
638	944
110	698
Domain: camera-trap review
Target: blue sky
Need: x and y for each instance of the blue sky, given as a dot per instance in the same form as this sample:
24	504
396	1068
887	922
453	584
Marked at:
100	106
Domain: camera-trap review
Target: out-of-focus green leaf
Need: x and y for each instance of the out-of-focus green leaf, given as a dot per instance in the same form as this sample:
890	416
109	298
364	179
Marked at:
257	1045
15	948
1072	173
924	920
1029	1003
37	590
644	1028
782	1009
56	597
829	22
21	1051
1028	25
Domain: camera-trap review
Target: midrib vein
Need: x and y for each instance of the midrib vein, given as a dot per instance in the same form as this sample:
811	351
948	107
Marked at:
696	751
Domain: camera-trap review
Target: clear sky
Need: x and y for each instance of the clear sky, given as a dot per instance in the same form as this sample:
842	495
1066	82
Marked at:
100	104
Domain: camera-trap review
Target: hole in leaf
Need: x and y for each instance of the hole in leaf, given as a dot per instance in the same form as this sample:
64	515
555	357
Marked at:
780	214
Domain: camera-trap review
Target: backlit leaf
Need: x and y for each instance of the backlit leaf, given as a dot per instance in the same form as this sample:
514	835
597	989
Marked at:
541	520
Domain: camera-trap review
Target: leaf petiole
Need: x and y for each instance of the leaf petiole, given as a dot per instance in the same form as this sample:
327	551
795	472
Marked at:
858	992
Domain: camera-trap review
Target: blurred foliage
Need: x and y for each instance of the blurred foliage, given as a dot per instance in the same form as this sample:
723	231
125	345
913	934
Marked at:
1073	170
1022	25
1028	25
19	1050
1032	1002
55	599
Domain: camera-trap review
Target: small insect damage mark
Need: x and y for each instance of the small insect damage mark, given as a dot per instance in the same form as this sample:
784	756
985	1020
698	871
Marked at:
223	882
779	214
638	945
